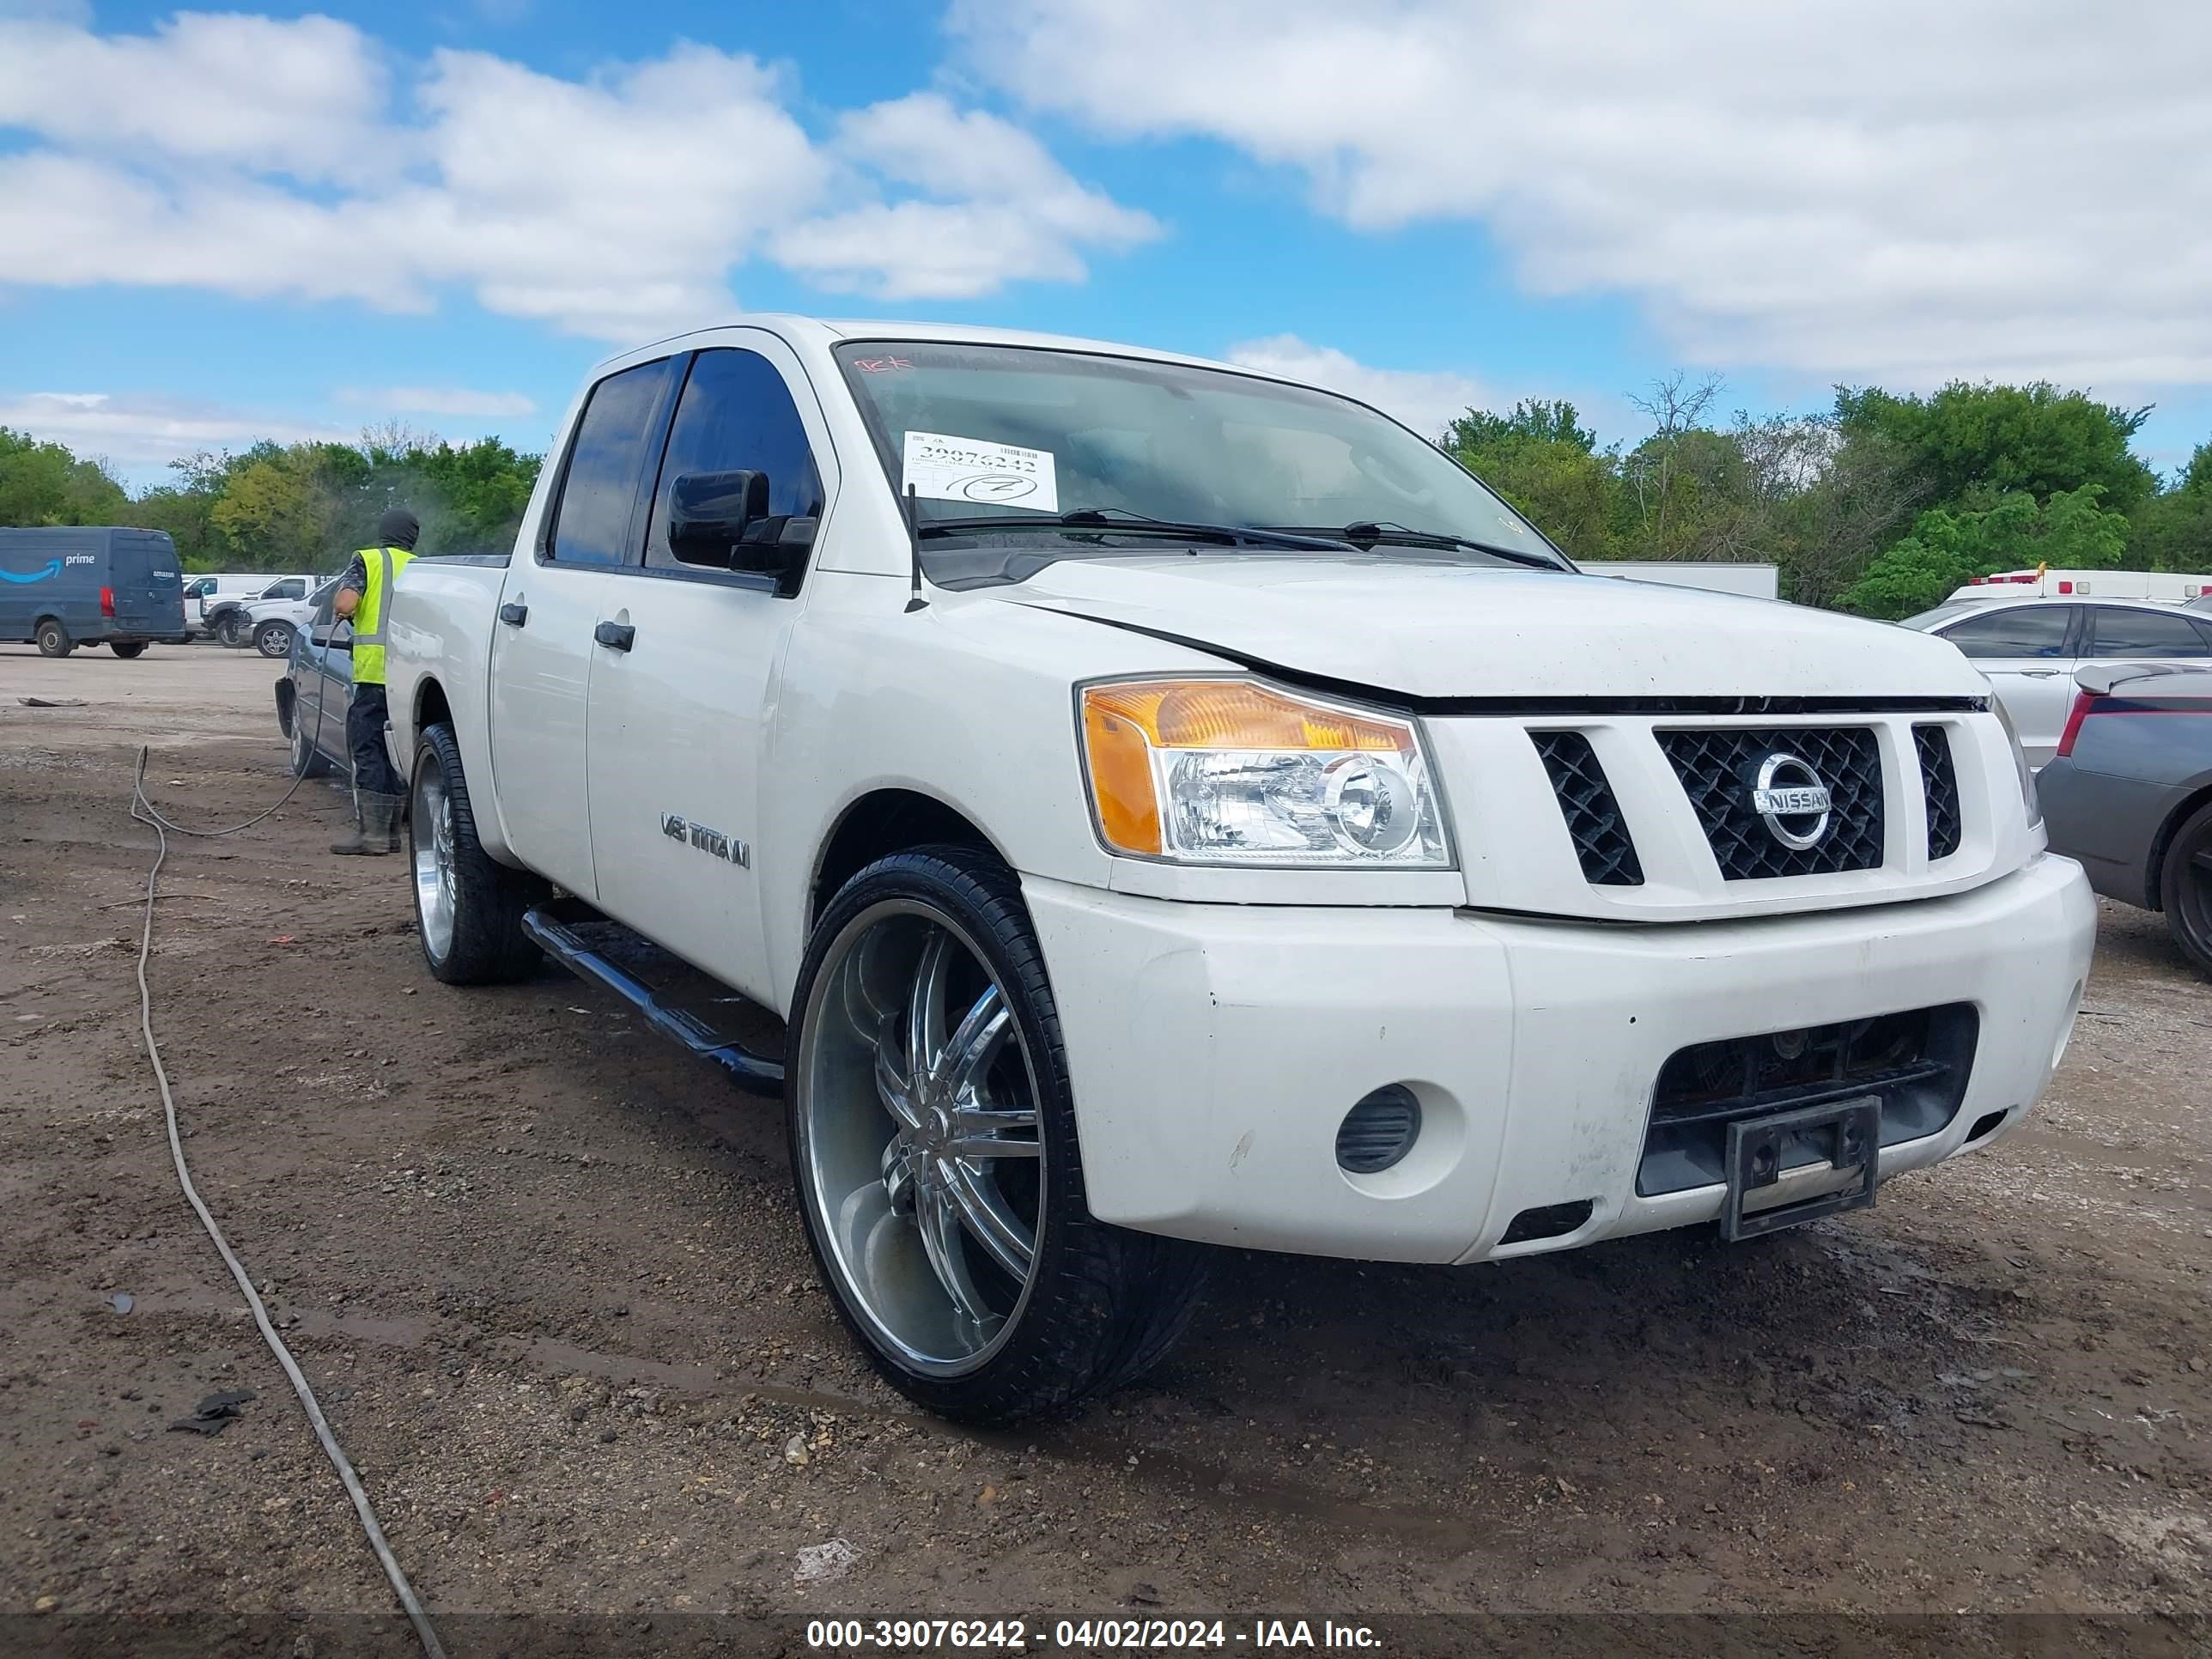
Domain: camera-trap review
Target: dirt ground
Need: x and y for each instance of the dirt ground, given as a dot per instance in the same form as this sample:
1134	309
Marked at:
547	1275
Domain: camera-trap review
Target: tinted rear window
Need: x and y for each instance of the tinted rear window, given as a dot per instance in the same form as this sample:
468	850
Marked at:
590	525
2119	632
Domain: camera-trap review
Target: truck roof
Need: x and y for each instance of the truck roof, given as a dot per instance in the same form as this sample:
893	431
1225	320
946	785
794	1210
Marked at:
826	331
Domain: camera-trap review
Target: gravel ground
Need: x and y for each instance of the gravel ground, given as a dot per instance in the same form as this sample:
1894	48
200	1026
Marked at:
546	1274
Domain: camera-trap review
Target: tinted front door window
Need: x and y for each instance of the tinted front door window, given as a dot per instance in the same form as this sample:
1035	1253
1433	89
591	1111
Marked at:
735	414
2027	630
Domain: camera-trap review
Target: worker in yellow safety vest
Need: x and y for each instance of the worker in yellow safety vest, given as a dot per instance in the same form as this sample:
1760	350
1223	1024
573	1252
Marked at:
364	597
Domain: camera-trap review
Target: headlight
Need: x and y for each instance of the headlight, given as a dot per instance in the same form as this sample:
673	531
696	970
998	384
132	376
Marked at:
1230	772
2027	795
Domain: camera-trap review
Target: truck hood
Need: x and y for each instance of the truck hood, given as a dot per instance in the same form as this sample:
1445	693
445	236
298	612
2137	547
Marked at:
1480	631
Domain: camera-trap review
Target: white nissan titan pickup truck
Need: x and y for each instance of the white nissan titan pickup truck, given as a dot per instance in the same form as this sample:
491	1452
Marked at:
1168	805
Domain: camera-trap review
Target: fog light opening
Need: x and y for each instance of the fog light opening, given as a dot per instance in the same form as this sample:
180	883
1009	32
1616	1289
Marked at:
1379	1131
1548	1221
1987	1124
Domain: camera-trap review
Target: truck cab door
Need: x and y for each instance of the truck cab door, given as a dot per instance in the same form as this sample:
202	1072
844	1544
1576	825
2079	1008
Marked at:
682	688
542	650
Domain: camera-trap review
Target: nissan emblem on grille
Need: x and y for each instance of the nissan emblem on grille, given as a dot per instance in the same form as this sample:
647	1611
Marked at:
1790	796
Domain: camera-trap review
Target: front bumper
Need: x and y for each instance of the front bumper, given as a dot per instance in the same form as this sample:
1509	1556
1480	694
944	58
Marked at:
1215	1049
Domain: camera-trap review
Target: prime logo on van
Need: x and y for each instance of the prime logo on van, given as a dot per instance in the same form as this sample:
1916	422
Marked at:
728	849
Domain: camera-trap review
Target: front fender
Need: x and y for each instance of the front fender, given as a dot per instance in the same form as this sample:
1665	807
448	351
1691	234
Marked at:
968	701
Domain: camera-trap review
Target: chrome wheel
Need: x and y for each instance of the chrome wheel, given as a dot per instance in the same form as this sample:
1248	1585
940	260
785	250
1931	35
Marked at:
430	839
917	1138
303	747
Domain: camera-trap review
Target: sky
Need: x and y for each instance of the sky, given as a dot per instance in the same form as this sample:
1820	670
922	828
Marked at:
220	226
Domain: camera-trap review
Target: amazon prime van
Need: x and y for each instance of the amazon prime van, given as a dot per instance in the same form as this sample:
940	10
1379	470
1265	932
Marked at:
62	587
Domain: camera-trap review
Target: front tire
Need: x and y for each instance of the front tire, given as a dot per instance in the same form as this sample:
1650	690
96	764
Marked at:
468	905
54	639
307	760
2185	886
933	1146
128	649
230	630
273	639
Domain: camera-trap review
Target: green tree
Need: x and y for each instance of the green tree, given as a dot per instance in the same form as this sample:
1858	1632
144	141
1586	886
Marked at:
1542	459
277	509
1852	497
1948	547
2172	531
1670	479
1971	444
42	483
184	508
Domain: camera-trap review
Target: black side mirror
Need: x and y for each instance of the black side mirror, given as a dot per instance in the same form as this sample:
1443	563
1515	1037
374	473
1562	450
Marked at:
710	512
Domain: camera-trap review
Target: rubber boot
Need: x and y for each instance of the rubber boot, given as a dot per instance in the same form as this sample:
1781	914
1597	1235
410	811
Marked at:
374	827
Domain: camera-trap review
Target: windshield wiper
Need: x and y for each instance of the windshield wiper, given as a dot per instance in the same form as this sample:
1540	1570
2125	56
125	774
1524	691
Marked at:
1371	532
1120	521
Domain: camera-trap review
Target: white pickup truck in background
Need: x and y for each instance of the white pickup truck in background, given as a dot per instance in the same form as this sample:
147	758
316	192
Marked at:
1168	805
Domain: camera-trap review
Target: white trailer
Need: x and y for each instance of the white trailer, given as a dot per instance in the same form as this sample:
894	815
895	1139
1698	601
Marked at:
1757	581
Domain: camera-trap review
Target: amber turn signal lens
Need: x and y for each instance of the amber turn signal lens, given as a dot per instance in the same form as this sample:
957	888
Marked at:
1237	715
1122	779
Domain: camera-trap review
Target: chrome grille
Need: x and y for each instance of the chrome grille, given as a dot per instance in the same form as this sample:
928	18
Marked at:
1718	770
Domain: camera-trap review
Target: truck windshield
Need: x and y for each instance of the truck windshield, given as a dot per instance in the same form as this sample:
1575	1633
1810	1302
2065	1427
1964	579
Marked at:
1021	447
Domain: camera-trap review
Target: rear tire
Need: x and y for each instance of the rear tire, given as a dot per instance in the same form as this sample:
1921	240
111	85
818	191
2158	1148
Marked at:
54	639
127	650
2185	886
976	1279
307	760
468	905
273	639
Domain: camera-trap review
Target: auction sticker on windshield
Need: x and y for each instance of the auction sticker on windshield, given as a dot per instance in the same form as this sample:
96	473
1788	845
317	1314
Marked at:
942	468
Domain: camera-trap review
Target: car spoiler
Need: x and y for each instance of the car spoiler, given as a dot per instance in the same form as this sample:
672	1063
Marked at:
2101	680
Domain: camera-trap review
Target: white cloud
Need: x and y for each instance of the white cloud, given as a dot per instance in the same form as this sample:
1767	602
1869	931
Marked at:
1423	400
141	435
299	97
1892	189
1014	212
265	158
48	11
452	400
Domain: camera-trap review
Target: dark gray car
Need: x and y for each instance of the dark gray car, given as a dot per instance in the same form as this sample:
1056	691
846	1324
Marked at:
317	690
2130	792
